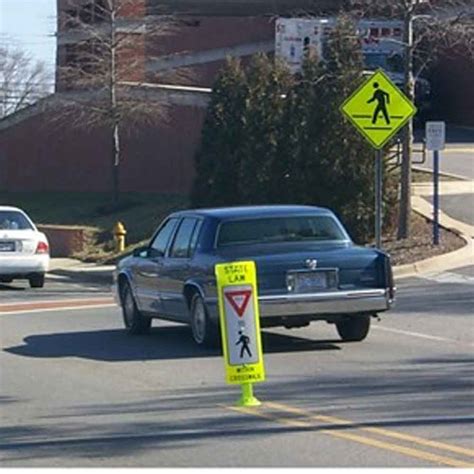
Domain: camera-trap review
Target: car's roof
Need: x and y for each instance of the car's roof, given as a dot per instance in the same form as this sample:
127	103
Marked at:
11	208
255	211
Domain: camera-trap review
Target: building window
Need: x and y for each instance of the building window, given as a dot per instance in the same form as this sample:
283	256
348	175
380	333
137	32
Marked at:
84	57
92	12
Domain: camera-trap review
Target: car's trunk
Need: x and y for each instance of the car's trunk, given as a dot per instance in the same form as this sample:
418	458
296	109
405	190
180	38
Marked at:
17	242
357	267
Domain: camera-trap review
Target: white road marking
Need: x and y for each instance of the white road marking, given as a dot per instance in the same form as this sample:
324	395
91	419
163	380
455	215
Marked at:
50	276
448	277
69	308
422	336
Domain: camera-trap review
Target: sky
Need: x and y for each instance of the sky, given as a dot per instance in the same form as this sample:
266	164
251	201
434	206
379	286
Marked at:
31	25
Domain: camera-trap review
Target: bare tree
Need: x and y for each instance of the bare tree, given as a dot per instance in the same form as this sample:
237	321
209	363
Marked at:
23	80
104	69
429	26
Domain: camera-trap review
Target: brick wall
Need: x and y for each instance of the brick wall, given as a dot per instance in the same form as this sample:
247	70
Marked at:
199	33
64	241
157	159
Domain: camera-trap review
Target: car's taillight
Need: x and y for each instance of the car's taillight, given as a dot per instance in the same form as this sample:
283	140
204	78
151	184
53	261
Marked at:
42	248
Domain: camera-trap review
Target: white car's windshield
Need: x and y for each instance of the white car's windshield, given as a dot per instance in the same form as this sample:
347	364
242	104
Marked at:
280	229
14	220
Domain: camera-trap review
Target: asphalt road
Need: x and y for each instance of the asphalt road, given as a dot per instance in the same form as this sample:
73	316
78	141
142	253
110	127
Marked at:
457	206
56	288
458	158
76	391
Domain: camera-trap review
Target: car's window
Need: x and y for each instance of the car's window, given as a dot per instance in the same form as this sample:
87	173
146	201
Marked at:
280	229
160	242
14	220
195	237
182	240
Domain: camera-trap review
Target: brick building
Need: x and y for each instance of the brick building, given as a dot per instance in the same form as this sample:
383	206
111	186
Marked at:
36	155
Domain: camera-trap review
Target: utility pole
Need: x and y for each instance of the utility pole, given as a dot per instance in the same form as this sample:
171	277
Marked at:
404	227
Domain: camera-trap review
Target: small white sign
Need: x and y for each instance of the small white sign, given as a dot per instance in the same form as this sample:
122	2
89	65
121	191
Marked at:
435	136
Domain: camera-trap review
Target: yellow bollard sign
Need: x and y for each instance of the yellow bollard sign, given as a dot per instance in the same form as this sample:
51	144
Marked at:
240	323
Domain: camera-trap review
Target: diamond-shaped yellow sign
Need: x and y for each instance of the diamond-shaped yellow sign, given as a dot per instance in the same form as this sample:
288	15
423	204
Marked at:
378	109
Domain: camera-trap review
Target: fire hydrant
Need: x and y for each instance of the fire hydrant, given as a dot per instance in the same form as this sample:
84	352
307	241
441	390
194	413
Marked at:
119	236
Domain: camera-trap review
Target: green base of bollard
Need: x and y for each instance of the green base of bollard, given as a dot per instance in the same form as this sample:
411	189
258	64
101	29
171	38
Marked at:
249	402
247	399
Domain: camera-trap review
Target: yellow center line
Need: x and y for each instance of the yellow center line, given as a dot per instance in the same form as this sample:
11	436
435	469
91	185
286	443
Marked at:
380	431
285	421
426	456
400	449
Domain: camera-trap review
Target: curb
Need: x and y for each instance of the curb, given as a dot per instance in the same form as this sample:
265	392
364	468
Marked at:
448	261
92	274
441	173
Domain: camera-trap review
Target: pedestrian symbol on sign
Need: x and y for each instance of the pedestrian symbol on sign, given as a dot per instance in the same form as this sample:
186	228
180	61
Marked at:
382	98
244	340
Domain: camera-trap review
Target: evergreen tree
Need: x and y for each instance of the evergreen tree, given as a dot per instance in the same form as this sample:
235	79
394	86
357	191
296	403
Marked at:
268	83
271	138
349	162
218	158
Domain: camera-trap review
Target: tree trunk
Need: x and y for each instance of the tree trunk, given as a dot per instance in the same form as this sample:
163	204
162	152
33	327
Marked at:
404	227
115	165
114	113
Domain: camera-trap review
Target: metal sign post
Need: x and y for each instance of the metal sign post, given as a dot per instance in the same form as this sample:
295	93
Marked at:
435	141
240	326
436	198
378	198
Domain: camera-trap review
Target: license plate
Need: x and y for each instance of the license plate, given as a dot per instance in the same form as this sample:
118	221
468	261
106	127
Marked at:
313	281
7	246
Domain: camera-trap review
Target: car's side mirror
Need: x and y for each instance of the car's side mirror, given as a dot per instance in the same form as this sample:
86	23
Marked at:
141	252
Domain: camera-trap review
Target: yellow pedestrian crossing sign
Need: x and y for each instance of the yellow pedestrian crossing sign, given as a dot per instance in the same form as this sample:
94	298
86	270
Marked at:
378	109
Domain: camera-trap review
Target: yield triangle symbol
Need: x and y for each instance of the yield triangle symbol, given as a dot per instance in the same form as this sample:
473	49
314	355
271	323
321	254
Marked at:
238	300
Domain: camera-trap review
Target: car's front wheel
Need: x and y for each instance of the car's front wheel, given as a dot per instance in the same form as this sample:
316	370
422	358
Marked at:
205	332
134	321
36	280
354	329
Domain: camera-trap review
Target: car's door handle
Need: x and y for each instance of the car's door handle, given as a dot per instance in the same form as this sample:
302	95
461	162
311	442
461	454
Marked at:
150	274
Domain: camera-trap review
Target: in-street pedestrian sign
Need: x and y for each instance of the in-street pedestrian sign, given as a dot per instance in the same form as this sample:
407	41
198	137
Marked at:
240	322
378	109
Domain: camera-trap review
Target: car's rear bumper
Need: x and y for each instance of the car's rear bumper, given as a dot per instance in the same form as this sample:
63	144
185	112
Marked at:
23	265
369	301
337	302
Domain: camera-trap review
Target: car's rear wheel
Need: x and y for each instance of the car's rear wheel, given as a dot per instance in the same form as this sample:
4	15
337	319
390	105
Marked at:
36	280
134	321
205	332
354	329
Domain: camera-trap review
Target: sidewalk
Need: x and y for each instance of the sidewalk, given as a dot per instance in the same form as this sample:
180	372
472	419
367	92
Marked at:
80	272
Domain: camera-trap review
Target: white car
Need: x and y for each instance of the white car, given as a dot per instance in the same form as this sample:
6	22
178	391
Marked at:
24	251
